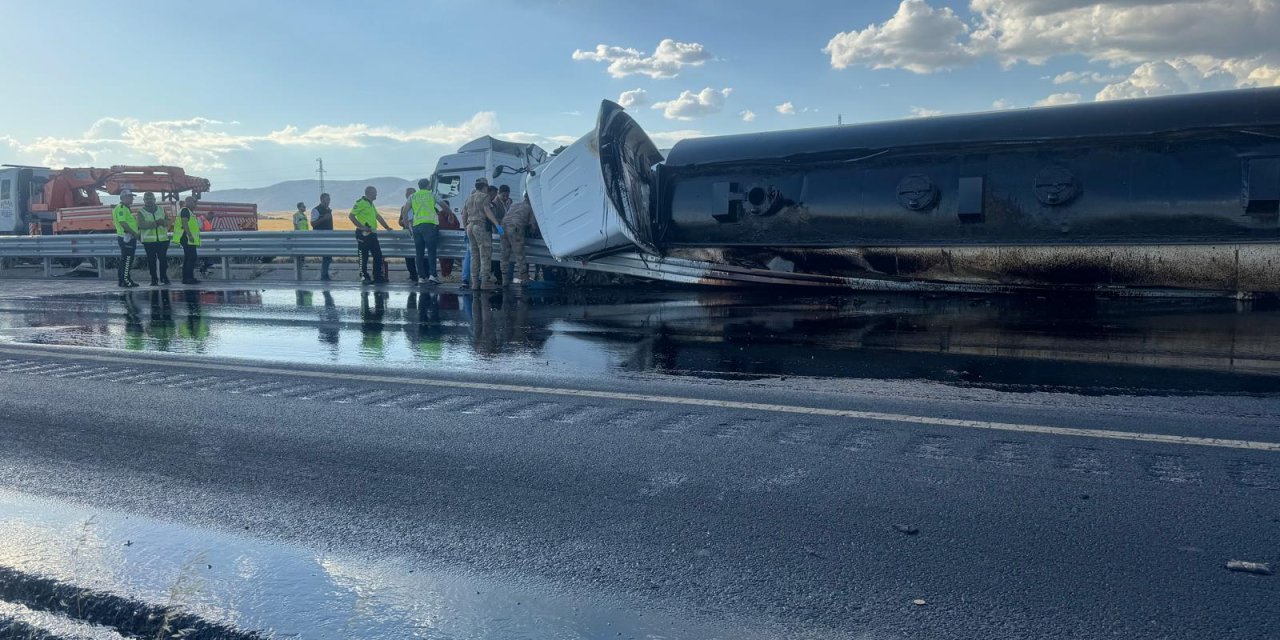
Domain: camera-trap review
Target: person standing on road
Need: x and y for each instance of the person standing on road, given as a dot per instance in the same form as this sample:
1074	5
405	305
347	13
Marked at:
366	218
477	215
499	210
426	231
514	226
322	220
300	220
127	237
406	223
153	226
186	232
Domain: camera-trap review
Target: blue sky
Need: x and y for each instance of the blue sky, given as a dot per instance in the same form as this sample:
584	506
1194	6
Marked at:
250	93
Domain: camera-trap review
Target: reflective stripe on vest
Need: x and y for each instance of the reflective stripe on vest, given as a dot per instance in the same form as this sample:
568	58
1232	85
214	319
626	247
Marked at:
190	227
424	207
158	233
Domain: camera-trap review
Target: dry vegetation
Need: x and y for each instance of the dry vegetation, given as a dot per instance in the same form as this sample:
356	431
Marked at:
283	220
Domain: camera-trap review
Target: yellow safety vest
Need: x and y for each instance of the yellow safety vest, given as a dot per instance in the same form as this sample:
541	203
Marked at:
154	234
190	227
300	221
424	207
365	213
124	219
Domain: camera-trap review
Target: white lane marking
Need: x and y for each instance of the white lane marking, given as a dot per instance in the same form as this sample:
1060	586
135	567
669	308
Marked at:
1161	438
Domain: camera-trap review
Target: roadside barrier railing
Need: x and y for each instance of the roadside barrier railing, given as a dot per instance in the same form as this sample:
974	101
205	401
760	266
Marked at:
225	245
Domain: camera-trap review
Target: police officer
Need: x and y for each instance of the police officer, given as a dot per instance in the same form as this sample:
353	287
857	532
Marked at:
153	223
186	232
127	237
477	215
366	218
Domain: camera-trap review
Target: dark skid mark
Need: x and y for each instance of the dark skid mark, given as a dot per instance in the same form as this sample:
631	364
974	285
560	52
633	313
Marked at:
11	629
131	618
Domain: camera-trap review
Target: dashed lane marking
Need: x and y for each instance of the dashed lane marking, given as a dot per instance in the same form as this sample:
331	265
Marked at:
472	386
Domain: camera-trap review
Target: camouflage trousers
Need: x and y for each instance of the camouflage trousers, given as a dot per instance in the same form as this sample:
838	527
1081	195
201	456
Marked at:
513	252
481	240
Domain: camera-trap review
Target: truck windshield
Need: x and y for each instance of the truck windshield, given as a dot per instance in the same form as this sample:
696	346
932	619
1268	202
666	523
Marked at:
447	186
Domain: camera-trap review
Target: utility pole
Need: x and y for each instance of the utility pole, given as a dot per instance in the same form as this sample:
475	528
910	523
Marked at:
839	119
321	172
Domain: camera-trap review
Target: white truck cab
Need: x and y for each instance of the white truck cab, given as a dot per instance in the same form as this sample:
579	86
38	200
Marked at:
456	173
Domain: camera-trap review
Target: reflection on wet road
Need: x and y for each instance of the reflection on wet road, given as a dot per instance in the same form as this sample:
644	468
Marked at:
221	584
1081	345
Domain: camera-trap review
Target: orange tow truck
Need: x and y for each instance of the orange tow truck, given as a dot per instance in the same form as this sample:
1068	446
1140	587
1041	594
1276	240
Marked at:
69	200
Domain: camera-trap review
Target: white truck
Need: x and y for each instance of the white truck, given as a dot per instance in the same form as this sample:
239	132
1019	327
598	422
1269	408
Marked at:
498	161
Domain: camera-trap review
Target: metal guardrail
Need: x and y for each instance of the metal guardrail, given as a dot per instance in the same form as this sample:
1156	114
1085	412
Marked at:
399	244
226	245
306	244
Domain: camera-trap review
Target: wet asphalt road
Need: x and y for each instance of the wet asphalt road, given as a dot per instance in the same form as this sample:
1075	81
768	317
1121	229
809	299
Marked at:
731	520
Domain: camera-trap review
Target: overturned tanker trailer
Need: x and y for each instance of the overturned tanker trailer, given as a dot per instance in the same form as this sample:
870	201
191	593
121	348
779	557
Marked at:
1180	192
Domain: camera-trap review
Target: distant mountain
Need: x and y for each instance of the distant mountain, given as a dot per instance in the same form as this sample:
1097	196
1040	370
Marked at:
285	196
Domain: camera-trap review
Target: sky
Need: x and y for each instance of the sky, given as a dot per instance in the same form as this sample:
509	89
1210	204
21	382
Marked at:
249	93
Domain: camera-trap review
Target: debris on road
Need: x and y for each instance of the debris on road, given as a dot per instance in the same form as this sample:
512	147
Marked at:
1259	568
906	528
919	602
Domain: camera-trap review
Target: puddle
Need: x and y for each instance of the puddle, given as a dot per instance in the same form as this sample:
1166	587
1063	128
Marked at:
283	591
1081	345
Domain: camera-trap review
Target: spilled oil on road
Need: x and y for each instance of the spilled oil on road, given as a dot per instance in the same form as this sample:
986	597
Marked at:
1078	344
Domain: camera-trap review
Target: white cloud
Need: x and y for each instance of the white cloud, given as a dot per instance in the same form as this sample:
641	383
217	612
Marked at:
668	139
690	105
1086	77
544	141
1230	43
1123	31
922	112
666	61
917	38
1001	105
201	144
1056	99
633	98
1171	77
786	109
747	115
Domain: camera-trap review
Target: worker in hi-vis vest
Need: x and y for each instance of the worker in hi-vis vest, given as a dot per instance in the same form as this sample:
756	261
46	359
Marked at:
186	232
301	221
153	224
364	215
426	231
127	237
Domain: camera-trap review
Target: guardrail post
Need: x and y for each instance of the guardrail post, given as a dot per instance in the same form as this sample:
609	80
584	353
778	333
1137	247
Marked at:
226	268
48	267
297	268
102	267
